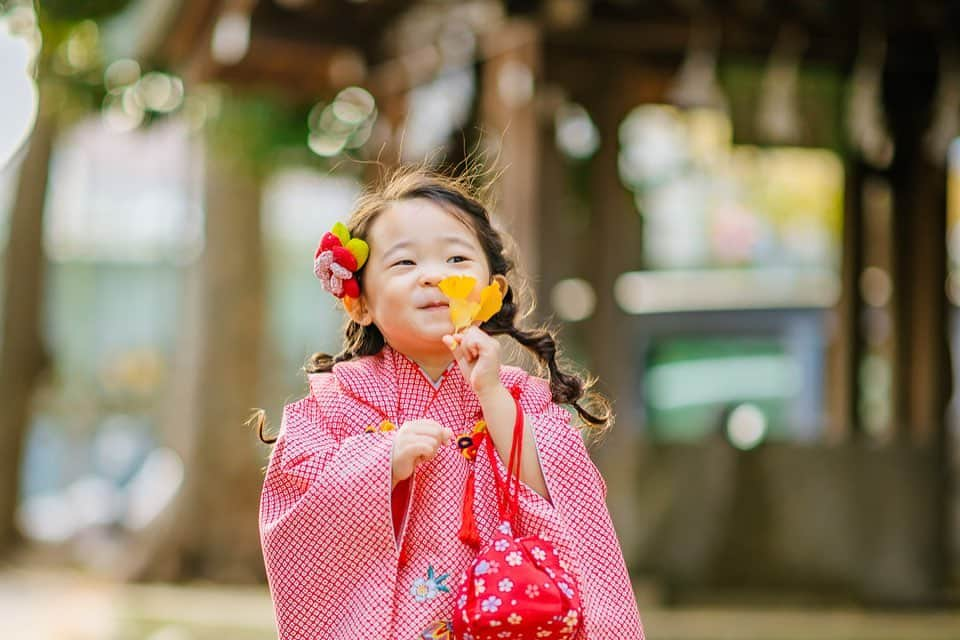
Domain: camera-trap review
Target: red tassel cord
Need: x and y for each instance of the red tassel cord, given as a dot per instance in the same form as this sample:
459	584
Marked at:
469	535
469	445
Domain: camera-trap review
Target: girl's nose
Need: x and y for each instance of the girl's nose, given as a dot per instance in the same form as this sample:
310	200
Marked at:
431	277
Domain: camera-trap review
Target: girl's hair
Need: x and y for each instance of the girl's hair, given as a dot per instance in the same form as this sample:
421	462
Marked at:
459	197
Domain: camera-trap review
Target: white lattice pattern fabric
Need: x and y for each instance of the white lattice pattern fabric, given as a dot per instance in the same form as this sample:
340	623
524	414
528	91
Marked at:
333	560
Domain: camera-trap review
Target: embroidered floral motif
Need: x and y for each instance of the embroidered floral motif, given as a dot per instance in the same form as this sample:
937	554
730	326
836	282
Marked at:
515	618
479	585
491	604
563	586
533	591
506	585
428	588
439	630
514	559
501	545
538	553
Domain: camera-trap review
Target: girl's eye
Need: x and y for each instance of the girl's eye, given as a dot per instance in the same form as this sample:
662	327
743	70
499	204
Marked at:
400	262
458	258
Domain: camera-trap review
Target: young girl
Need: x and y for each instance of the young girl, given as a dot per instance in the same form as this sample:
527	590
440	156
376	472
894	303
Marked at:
361	511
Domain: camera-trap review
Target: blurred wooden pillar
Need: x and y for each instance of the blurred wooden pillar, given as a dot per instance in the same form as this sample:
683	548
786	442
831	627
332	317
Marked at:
211	531
232	327
924	269
920	259
925	362
920	270
23	355
510	130
877	329
844	352
844	349
613	247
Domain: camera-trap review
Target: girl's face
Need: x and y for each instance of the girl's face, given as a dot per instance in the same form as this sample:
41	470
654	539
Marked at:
414	244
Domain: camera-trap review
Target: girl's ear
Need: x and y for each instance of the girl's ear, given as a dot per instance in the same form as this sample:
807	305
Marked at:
357	310
501	280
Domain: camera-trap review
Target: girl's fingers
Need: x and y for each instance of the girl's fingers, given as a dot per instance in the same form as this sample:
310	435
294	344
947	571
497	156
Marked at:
430	428
483	340
461	356
476	341
454	342
429	440
421	449
420	453
422	427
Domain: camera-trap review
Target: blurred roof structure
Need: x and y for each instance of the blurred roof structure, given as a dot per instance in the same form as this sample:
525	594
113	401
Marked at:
306	48
309	46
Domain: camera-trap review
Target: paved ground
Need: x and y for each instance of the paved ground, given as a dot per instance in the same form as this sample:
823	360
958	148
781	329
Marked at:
57	605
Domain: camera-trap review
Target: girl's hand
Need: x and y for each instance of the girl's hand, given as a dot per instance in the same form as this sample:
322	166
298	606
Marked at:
416	441
478	355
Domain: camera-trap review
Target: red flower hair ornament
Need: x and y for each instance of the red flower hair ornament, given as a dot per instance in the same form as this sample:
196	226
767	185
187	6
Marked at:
337	260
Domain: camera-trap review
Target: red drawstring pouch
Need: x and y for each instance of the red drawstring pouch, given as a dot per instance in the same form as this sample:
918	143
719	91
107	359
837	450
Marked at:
515	588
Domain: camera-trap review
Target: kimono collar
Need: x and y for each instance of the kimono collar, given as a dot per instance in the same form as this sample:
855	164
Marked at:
398	388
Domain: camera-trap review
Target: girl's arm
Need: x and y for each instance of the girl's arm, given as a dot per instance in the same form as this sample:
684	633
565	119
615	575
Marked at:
500	412
478	355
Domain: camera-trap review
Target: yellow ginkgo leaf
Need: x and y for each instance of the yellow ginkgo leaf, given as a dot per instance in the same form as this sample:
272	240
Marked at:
491	300
462	312
457	286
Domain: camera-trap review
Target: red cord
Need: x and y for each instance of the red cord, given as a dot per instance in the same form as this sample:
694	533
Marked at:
508	490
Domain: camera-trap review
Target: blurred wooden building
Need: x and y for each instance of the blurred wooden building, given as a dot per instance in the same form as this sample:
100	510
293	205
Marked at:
861	504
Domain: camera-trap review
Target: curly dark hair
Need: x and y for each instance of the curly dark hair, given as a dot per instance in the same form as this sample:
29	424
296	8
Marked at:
460	197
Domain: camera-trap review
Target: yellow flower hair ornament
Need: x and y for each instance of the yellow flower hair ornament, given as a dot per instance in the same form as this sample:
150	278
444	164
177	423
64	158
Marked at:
337	259
467	306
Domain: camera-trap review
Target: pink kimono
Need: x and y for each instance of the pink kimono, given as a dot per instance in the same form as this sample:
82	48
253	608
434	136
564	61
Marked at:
349	558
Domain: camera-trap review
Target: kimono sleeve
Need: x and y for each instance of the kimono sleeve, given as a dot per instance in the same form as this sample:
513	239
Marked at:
326	528
560	446
578	496
537	514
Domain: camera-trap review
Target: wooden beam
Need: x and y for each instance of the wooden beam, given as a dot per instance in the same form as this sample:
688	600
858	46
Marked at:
192	24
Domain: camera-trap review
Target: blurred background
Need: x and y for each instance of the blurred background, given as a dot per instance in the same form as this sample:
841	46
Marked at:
740	214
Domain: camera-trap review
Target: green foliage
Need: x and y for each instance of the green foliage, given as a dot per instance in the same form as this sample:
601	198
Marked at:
820	96
256	131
